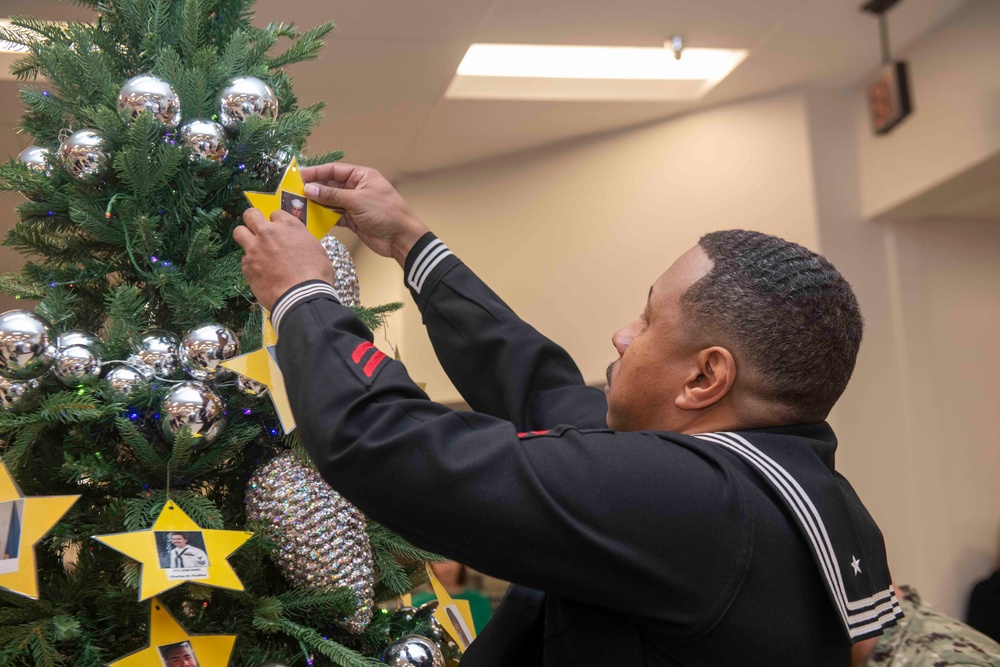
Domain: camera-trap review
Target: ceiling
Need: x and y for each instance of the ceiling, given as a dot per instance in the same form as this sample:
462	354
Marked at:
387	65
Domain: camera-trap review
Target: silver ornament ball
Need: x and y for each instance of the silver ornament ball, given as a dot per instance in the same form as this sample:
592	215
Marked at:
149	93
27	345
85	156
204	142
321	540
36	159
80	337
243	97
194	406
413	651
250	387
75	364
124	378
158	350
144	369
345	281
13	392
204	348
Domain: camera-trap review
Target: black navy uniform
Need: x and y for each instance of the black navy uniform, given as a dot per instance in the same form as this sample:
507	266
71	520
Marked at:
626	549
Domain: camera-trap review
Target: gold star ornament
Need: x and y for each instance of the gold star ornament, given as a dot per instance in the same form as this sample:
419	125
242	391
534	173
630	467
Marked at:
170	644
24	521
176	549
261	366
291	197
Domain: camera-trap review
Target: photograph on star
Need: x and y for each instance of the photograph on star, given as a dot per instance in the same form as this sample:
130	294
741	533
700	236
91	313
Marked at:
182	553
294	203
179	654
11	520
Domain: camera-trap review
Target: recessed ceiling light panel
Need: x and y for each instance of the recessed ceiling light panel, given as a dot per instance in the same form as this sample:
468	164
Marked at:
545	72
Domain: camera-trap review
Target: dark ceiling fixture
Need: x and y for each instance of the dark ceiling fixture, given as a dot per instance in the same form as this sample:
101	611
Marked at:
889	94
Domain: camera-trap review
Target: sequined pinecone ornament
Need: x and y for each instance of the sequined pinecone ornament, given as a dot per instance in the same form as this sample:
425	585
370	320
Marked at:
345	282
321	539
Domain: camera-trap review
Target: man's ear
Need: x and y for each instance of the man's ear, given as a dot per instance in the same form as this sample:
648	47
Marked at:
711	380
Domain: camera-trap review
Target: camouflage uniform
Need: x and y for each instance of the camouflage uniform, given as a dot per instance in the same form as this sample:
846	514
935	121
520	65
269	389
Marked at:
927	638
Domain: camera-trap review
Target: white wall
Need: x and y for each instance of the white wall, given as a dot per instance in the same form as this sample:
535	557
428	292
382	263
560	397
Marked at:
573	236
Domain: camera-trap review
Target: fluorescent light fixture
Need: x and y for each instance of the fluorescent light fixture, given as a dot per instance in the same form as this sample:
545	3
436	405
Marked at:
546	72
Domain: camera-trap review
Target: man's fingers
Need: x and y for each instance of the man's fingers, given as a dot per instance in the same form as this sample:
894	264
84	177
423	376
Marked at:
243	236
254	220
331	171
336	198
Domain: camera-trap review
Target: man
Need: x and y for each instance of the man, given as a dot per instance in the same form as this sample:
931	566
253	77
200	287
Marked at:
184	555
706	527
179	655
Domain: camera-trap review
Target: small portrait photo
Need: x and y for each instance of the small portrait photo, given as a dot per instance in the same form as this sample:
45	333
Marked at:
181	549
295	204
11	520
178	655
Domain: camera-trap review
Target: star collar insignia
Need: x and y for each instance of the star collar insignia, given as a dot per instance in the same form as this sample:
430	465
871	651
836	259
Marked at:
291	197
262	367
199	555
27	520
168	639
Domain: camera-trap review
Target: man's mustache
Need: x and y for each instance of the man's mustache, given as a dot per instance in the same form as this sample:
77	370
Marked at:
610	368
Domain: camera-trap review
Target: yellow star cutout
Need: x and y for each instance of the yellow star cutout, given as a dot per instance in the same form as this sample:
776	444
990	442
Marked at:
291	196
261	366
167	561
27	521
167	639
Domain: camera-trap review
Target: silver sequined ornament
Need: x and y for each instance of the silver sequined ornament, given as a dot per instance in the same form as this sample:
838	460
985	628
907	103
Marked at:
204	348
85	155
245	96
124	378
158	350
321	539
413	651
345	281
194	406
149	93
204	142
13	392
35	158
250	387
75	364
27	345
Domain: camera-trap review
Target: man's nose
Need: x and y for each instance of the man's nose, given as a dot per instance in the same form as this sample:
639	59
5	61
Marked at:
622	339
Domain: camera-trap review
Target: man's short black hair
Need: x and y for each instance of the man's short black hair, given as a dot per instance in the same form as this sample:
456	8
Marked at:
785	312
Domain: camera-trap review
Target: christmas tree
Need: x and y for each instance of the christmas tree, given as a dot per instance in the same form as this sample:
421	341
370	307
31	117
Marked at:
149	124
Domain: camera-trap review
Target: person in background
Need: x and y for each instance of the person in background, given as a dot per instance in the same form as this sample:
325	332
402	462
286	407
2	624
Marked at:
454	577
926	638
983	612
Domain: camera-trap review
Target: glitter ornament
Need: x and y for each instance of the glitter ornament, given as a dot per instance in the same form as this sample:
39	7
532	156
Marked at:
204	142
204	348
194	406
35	158
158	350
85	156
321	539
75	364
13	392
245	96
27	345
124	378
149	93
345	281
413	651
